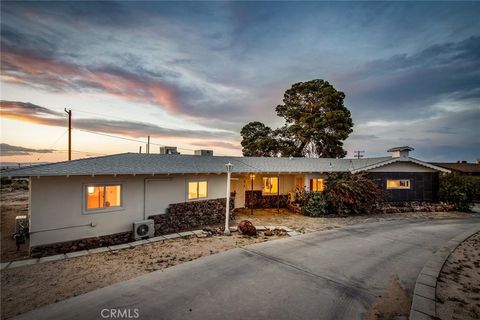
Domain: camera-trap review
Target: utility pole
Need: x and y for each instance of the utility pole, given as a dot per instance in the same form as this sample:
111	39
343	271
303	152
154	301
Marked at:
69	112
140	149
148	145
358	154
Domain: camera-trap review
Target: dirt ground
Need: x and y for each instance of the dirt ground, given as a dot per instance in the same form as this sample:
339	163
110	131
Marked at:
458	287
395	305
300	223
13	202
27	288
30	287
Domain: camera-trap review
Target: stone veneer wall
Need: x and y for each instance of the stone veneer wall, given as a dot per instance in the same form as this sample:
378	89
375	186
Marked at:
186	216
414	206
179	217
82	244
264	201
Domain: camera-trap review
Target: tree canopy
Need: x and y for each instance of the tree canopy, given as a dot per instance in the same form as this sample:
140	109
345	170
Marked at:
316	123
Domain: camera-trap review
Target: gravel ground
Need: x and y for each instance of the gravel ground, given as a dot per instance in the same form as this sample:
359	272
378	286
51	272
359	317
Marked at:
270	217
30	287
13	202
27	288
458	287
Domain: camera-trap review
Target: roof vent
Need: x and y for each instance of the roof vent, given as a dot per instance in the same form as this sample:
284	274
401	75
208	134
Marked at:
204	152
168	150
400	152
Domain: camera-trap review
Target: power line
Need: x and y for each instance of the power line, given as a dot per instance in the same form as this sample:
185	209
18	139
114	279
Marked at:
125	119
54	143
161	145
130	139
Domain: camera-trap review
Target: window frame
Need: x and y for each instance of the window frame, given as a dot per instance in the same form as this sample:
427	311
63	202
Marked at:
263	185
85	209
187	187
316	184
399	187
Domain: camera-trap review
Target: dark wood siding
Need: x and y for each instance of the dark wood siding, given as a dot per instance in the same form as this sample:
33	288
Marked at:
423	185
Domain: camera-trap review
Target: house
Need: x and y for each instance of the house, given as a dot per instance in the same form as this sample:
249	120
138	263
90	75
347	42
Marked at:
464	167
94	201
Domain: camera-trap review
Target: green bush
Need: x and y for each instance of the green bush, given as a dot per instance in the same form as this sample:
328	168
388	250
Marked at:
315	204
353	194
459	190
345	193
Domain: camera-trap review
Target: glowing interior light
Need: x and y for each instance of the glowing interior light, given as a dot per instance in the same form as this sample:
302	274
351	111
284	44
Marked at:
91	189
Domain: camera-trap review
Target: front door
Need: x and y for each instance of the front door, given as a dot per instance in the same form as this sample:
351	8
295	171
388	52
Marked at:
239	188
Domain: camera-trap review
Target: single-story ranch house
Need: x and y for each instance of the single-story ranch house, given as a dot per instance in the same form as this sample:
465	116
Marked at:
98	199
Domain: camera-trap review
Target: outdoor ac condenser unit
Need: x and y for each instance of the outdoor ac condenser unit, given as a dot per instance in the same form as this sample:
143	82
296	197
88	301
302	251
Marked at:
21	224
143	229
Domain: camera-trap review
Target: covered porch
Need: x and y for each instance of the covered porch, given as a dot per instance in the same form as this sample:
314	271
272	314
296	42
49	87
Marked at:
271	190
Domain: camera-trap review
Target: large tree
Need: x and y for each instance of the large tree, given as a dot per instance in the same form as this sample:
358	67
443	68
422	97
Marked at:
316	123
259	140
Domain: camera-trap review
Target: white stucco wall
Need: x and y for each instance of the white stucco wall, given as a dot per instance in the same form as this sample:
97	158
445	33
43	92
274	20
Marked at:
58	203
402	166
162	191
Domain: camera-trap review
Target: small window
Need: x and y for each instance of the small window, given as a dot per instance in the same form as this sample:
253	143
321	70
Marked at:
398	184
316	185
197	190
270	185
103	196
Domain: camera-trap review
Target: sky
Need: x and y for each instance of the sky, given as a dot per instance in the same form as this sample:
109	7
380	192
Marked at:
192	74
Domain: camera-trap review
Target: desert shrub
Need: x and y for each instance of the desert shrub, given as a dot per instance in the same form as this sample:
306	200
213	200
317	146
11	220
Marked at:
459	190
315	204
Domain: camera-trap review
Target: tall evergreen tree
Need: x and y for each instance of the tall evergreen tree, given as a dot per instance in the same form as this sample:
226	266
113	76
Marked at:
316	124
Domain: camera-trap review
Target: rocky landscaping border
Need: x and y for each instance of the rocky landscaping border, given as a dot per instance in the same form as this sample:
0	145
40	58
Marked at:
196	233
424	295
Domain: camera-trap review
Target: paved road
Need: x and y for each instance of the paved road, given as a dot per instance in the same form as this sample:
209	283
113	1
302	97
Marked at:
336	274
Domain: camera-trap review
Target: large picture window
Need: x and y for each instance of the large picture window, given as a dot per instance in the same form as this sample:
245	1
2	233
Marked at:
398	184
316	185
270	185
103	196
197	190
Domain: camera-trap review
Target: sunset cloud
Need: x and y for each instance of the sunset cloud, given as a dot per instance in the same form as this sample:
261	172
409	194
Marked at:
28	112
48	74
216	66
9	150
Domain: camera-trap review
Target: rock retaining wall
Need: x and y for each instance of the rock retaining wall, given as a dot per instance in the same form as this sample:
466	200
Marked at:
399	207
82	244
187	216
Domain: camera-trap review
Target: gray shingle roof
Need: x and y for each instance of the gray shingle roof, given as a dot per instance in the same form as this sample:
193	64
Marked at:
136	163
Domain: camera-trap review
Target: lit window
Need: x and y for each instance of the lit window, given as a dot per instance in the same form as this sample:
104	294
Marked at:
197	190
398	184
103	196
316	185
270	185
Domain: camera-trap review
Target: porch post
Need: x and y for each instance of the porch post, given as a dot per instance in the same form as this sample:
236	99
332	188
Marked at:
278	194
252	177
227	211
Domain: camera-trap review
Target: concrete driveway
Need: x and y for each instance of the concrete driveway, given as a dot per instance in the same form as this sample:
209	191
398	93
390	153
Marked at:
336	274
